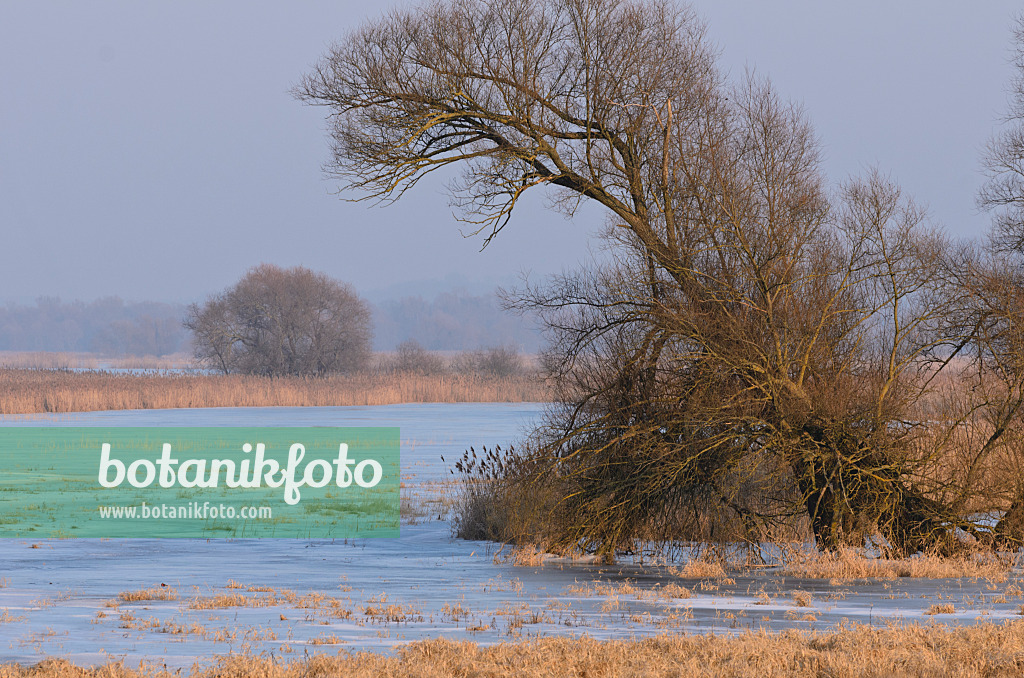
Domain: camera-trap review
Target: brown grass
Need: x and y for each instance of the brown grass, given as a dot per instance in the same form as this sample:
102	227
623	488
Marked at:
251	588
670	591
152	593
700	568
8	618
941	608
228	600
854	652
380	610
849	564
34	391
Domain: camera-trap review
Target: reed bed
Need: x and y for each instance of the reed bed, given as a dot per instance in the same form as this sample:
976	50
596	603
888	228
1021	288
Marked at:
852	652
26	391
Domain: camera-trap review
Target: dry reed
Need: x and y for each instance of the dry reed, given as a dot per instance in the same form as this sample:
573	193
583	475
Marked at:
700	568
35	391
941	608
227	600
152	593
847	564
8	618
852	652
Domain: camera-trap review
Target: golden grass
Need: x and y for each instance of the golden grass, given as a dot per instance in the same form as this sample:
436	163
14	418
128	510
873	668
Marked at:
251	588
316	602
34	391
8	618
854	652
850	564
700	568
152	593
228	600
941	608
380	610
670	591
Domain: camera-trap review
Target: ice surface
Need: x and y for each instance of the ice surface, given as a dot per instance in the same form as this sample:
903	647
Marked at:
55	591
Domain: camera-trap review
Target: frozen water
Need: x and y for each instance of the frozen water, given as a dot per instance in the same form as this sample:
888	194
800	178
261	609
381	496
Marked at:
56	595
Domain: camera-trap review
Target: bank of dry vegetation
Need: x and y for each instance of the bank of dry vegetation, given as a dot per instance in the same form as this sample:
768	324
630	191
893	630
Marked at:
34	391
989	650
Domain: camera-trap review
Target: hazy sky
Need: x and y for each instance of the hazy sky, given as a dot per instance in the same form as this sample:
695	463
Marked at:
152	151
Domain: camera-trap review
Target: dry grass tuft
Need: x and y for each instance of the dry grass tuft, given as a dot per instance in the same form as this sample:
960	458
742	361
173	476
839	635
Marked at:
8	618
941	608
700	568
227	600
670	591
152	593
31	391
253	588
673	591
850	564
379	610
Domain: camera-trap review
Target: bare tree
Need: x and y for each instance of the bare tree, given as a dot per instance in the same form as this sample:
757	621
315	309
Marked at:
991	314
410	356
497	361
1003	161
278	321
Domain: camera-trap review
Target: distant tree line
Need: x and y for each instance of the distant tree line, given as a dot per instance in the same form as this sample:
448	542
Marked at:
109	326
496	361
277	322
451	321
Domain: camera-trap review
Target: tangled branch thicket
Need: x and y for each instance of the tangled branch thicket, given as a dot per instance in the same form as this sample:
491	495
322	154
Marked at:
761	352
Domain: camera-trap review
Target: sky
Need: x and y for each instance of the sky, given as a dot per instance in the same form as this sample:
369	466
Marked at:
153	151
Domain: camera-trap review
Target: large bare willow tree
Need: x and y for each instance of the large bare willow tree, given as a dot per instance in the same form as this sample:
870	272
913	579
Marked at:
760	344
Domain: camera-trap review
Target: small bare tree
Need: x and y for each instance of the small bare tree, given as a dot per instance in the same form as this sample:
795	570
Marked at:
411	357
278	322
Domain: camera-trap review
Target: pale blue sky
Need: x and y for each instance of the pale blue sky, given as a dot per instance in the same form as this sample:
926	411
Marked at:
151	150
